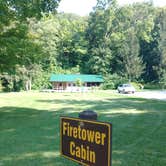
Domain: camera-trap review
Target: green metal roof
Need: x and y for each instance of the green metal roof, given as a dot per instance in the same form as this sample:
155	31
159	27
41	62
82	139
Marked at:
75	77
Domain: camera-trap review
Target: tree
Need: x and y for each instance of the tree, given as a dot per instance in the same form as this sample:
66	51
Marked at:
132	27
62	39
17	48
72	46
162	47
150	54
12	10
10	14
100	27
46	33
132	63
113	42
27	74
153	52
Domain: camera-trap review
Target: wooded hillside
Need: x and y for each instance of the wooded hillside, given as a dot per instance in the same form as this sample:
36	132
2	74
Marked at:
120	42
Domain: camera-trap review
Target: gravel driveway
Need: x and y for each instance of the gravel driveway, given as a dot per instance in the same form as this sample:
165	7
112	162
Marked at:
160	95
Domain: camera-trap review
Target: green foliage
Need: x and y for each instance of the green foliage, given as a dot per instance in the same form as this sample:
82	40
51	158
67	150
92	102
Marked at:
162	47
129	59
114	41
154	52
79	82
7	82
121	42
152	86
62	40
72	46
41	81
18	48
143	17
1	87
162	81
137	85
14	9
98	36
126	60
112	81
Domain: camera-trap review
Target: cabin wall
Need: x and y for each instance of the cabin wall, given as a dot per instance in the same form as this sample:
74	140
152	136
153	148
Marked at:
71	86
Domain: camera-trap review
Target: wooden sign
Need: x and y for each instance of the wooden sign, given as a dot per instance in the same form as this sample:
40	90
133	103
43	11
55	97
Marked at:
86	142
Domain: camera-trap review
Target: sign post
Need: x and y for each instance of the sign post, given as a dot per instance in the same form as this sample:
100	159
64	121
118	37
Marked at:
88	115
86	141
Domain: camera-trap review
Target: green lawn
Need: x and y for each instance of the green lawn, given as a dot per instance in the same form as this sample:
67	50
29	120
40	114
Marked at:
29	127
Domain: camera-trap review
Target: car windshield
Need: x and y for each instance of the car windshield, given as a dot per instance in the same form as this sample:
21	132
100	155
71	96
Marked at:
126	85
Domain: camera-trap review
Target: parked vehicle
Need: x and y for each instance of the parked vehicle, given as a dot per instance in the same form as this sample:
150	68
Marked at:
126	88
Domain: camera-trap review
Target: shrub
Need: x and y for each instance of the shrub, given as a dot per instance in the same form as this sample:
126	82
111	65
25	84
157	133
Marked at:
152	86
79	82
112	81
41	81
162	82
137	85
1	87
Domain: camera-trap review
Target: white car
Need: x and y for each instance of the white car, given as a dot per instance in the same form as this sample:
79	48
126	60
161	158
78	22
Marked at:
126	88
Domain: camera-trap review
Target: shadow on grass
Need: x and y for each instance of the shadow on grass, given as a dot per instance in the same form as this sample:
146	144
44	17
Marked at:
138	104
137	127
31	136
28	136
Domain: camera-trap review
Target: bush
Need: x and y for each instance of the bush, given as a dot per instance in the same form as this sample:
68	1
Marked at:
152	86
162	82
112	81
41	81
137	86
1	87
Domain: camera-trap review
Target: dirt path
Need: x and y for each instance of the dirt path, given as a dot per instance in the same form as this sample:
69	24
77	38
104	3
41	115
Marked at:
160	95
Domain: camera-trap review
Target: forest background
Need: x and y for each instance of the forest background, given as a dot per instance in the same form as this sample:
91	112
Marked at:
123	43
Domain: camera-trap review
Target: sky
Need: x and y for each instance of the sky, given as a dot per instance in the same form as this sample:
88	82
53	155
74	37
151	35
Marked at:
83	7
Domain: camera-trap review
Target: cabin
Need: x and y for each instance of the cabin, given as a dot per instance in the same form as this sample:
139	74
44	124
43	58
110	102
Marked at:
69	82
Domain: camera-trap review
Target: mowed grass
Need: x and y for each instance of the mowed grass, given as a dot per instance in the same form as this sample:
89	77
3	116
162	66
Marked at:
29	127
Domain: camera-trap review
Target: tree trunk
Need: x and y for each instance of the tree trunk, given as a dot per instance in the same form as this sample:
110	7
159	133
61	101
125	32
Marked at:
30	84
26	86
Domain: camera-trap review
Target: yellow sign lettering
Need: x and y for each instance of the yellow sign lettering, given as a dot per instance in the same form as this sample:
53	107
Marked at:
64	127
82	152
72	146
103	136
97	138
90	135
